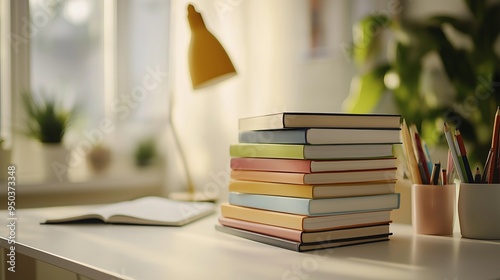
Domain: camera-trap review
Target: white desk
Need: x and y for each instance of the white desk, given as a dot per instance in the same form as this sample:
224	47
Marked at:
197	251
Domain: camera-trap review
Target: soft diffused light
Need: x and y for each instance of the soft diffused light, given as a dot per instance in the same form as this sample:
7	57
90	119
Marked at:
77	11
391	80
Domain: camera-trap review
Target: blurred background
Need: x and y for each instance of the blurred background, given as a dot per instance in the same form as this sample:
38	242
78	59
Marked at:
119	71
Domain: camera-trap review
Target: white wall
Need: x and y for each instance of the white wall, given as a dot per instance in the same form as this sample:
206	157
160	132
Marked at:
268	43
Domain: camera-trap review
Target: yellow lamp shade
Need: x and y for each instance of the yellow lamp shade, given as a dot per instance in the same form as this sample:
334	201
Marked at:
208	61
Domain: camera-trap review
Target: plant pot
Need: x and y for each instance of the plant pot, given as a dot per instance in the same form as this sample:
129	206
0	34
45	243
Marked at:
99	159
55	162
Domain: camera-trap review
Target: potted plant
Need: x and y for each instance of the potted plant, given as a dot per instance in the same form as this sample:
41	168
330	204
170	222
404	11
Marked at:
47	122
442	69
145	152
99	158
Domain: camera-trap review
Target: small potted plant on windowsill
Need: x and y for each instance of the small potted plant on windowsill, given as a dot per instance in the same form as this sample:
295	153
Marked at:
47	122
99	158
145	152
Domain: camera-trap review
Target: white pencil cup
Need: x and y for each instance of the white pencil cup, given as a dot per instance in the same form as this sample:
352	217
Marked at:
479	211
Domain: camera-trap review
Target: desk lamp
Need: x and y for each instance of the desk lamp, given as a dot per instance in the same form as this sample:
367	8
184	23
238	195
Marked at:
209	64
208	61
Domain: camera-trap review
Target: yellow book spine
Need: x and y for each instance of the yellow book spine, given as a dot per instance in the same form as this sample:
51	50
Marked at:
293	190
263	217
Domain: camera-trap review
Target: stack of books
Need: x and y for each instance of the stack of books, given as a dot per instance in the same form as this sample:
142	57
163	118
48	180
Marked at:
306	181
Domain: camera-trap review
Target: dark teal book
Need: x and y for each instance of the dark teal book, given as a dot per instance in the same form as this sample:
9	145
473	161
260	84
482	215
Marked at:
299	246
316	207
320	136
318	120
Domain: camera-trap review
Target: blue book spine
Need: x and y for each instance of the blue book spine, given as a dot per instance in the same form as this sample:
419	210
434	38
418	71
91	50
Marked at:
283	204
302	206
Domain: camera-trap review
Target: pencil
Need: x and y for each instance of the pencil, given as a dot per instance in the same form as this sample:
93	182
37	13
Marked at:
494	148
449	167
421	171
410	155
454	154
419	153
463	154
484	177
427	155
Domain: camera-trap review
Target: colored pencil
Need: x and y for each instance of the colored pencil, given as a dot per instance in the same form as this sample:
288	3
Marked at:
410	155
454	154
494	148
449	167
419	153
463	154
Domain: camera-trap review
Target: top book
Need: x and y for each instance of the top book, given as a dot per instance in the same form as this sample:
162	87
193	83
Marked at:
319	120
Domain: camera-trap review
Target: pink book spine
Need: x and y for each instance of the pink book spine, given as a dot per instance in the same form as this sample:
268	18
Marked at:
267	164
285	233
263	176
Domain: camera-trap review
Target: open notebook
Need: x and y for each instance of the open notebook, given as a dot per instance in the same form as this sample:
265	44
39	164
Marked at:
150	210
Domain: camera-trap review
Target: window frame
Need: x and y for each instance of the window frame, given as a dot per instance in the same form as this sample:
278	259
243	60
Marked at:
15	75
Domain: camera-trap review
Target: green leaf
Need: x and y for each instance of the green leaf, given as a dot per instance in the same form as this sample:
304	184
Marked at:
488	30
368	91
477	7
439	40
462	25
456	62
47	121
367	35
408	63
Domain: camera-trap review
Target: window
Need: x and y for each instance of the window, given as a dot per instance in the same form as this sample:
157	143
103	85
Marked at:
4	84
67	55
109	59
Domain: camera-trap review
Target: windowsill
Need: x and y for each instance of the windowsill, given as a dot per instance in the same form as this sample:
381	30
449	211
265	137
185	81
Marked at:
121	181
132	179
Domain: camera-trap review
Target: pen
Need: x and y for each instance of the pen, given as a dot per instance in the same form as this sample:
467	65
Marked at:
477	178
435	173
